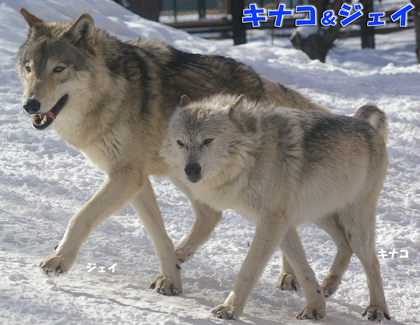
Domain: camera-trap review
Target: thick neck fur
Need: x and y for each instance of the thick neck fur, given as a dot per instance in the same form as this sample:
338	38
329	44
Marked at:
95	110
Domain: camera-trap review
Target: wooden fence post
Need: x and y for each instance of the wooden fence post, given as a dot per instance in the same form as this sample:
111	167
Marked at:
238	28
416	18
367	34
201	9
145	8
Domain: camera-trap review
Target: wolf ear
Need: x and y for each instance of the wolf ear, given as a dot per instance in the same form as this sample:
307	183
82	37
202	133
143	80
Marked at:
82	30
31	19
185	100
231	108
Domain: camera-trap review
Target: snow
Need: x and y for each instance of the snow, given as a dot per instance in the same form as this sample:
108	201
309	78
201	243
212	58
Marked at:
43	182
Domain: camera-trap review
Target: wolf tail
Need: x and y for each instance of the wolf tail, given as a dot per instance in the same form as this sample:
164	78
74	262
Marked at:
281	95
377	118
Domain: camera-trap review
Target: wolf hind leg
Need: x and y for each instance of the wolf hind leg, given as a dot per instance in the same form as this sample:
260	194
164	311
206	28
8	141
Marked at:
206	219
287	279
361	234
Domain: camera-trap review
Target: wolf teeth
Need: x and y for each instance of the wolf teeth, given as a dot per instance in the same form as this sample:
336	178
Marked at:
37	119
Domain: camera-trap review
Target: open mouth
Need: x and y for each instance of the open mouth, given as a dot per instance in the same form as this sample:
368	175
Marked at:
42	121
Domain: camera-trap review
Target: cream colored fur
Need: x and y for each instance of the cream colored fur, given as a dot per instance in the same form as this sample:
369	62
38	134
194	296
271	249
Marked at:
280	168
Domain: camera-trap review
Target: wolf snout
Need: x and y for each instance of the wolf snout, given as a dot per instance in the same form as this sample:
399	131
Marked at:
193	172
32	106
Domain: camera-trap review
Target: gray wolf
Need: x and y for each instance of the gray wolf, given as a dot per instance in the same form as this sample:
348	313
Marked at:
112	100
282	167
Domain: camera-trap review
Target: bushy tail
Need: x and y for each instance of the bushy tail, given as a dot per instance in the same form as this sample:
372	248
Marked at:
377	118
282	95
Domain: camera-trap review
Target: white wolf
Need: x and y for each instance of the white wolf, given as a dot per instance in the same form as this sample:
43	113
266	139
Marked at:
281	167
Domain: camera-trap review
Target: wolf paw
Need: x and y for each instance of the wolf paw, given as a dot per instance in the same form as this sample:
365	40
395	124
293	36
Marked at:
165	286
224	311
57	263
330	285
375	314
286	281
310	312
183	253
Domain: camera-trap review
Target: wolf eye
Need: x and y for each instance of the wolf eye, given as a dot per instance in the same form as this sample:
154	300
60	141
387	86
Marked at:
180	143
58	69
28	68
207	141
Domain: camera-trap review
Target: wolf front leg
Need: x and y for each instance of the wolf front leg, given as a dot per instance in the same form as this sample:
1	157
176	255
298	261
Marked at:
268	235
206	219
118	188
287	279
169	282
292	249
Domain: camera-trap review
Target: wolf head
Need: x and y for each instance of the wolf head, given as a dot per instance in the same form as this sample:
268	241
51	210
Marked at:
53	65
208	139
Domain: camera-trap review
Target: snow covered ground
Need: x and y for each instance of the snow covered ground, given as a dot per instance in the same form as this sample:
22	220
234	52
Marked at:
43	182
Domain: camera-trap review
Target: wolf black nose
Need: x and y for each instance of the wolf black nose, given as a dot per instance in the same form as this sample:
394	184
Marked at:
193	172
32	106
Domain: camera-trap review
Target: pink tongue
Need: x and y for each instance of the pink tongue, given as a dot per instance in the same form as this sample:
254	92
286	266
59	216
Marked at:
51	114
